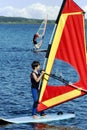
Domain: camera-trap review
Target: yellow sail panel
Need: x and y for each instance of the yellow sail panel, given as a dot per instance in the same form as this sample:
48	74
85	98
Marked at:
55	44
61	98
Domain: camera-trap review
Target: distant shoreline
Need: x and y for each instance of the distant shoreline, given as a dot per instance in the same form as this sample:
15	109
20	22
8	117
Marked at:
20	20
21	23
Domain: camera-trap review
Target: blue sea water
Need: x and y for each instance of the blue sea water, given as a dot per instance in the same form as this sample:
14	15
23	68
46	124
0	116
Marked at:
15	88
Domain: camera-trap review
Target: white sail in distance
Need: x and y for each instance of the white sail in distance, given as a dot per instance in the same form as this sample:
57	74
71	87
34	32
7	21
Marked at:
41	32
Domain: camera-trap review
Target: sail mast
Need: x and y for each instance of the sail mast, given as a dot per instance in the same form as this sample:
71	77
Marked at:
63	3
53	33
47	54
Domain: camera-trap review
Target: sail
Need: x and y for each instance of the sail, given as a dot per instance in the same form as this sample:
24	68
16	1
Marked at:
68	46
41	32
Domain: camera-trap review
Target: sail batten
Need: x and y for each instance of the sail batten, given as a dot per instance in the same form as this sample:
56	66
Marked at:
69	46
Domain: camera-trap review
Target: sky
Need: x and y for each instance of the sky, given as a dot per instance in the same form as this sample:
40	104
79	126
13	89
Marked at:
35	8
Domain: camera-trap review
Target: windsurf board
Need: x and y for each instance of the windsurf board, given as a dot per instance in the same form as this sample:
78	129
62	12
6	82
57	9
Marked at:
30	119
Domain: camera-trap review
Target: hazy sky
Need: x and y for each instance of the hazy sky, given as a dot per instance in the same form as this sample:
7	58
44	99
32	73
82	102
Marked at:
35	8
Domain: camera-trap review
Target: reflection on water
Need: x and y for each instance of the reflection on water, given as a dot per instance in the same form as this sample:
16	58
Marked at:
41	126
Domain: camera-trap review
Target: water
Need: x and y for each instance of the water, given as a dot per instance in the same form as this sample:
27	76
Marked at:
15	88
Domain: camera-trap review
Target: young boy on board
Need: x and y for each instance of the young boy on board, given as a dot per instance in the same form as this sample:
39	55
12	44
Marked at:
35	79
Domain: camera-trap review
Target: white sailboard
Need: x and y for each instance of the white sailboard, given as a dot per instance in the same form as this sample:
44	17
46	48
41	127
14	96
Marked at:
30	119
39	50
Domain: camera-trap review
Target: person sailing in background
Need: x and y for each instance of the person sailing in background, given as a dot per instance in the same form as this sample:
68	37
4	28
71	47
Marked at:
35	38
38	37
36	44
35	80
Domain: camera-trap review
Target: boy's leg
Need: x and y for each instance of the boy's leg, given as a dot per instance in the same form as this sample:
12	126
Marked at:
35	98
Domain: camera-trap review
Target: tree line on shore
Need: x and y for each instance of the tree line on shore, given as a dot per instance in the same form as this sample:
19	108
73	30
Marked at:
10	20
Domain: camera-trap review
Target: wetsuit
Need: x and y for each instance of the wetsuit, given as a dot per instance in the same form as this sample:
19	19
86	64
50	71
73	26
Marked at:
35	93
34	39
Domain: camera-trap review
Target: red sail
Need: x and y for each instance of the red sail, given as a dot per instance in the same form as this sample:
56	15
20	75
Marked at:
68	45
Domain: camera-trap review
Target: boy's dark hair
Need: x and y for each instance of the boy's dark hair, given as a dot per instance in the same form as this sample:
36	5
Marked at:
35	64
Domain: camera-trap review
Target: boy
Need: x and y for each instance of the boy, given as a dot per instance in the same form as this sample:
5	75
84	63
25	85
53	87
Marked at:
35	79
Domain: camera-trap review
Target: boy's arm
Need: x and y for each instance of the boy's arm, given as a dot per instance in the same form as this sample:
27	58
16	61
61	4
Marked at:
37	79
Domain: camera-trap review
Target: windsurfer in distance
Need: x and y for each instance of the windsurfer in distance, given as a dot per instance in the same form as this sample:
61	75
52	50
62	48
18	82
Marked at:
35	38
37	44
35	80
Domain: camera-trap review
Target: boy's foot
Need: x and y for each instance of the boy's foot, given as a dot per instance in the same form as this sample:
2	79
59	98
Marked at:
43	114
35	117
